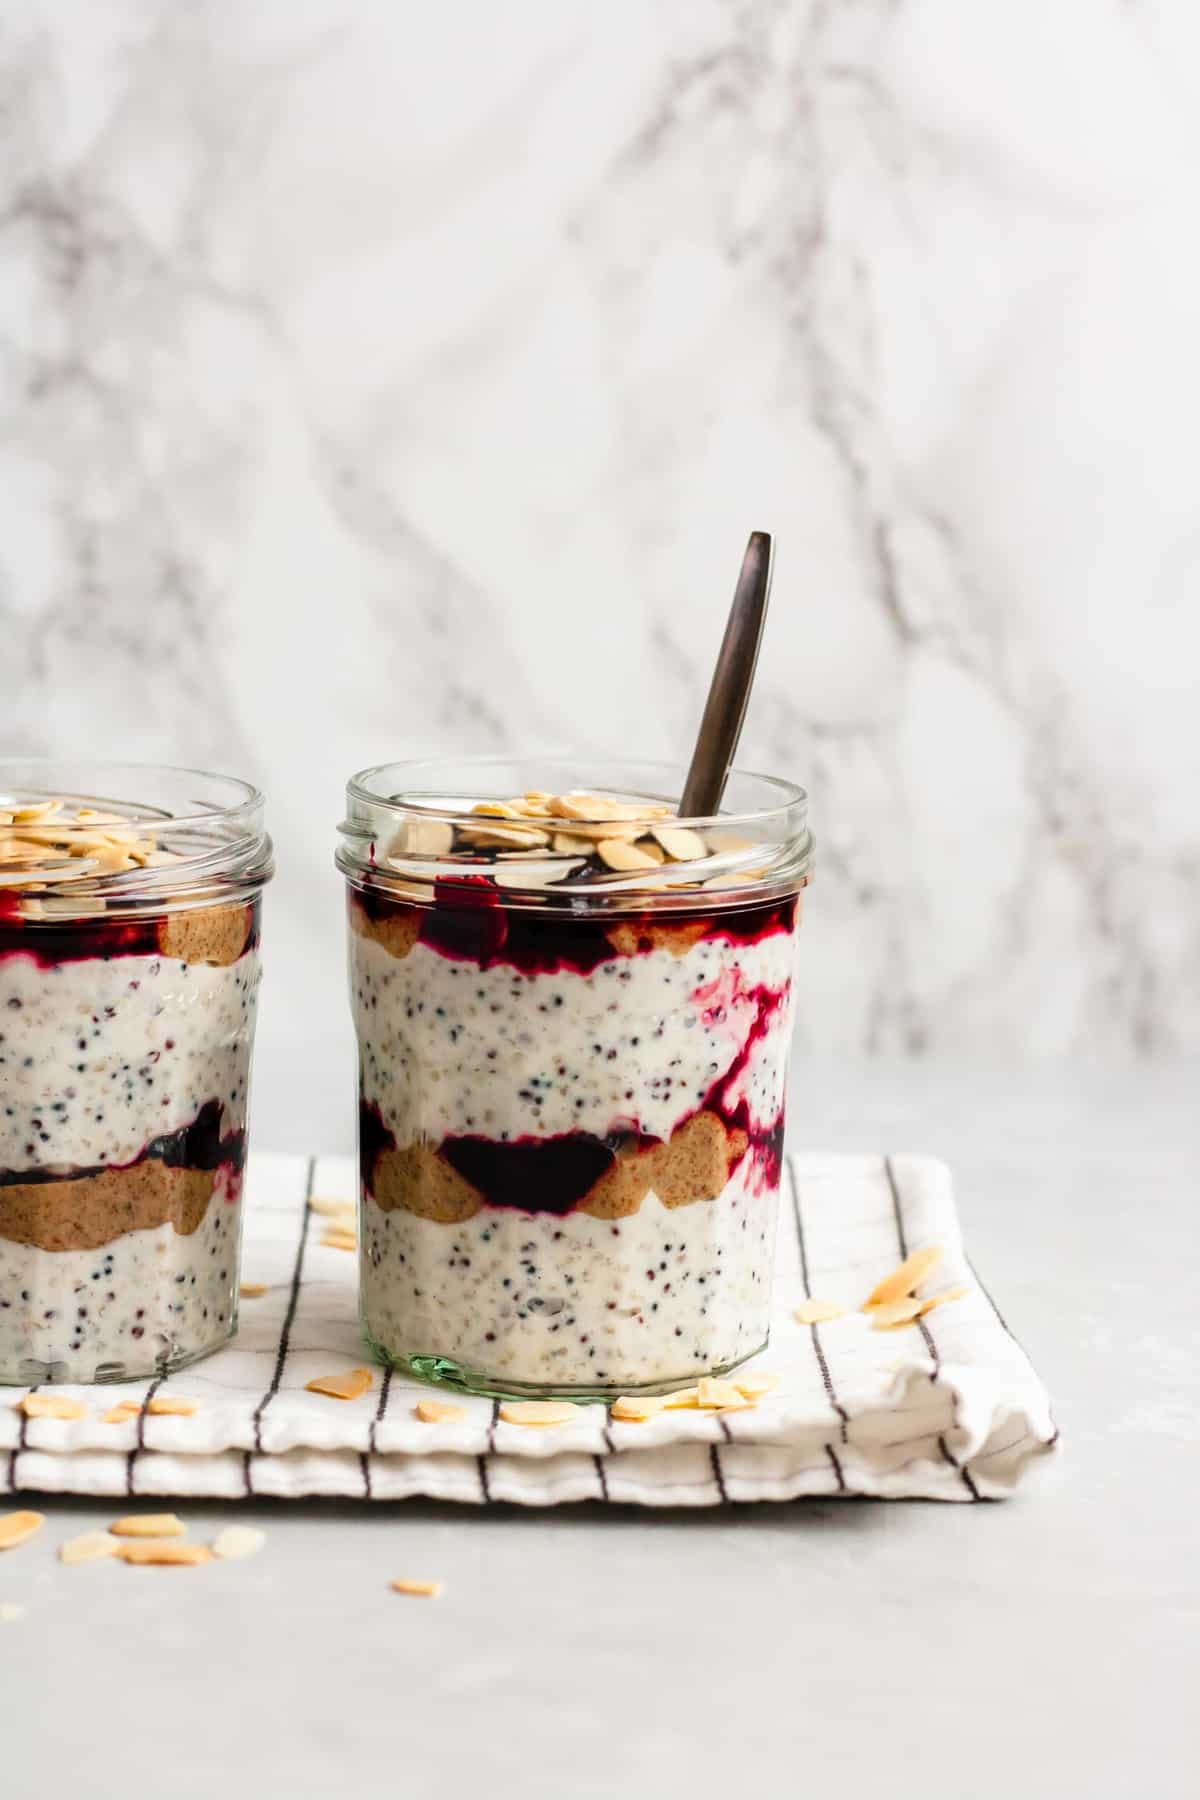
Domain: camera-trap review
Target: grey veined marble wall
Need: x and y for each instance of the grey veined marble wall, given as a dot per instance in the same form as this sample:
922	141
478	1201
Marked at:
380	379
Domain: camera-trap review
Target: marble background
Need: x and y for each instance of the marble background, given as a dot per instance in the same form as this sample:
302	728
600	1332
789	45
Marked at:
380	378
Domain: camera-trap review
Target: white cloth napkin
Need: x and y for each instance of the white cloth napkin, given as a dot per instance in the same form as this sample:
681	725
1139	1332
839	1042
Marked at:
948	1409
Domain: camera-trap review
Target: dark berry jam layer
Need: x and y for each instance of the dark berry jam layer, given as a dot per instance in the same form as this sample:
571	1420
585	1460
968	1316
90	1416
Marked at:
469	922
200	1146
220	933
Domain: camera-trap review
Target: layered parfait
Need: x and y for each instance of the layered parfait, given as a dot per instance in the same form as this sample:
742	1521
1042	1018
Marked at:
573	1014
129	973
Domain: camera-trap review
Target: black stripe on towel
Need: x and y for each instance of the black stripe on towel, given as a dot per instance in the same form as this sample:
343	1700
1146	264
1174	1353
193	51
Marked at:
285	1330
365	1459
902	1239
140	1445
818	1347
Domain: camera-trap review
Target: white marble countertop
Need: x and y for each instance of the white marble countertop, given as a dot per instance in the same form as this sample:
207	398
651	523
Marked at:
1044	1647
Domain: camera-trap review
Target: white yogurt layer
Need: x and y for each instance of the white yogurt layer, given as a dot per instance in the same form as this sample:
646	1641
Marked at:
98	1058
447	1048
575	1302
125	1309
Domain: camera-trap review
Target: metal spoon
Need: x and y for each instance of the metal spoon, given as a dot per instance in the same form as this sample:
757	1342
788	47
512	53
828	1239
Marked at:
733	677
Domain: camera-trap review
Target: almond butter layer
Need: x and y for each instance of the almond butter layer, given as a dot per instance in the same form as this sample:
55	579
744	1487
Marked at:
694	1164
209	934
417	1180
84	1212
396	932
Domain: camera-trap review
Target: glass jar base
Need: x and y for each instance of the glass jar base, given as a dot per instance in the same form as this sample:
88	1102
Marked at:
445	1372
63	1373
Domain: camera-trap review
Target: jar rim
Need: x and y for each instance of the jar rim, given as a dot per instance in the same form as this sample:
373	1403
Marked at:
773	858
215	823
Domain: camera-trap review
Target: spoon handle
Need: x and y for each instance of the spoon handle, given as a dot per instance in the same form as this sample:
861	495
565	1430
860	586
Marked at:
721	726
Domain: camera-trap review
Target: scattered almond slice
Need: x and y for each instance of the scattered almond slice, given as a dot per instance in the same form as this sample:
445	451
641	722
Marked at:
680	844
816	1312
148	1525
943	1299
91	1547
896	1312
52	1406
635	1409
712	1395
121	1415
682	1397
342	1387
911	1273
439	1412
11	1611
538	1412
753	1387
173	1405
328	1207
253	1290
340	1240
237	1541
164	1551
17	1527
427	1590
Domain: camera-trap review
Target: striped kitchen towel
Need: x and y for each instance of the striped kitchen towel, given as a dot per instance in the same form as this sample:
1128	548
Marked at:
949	1408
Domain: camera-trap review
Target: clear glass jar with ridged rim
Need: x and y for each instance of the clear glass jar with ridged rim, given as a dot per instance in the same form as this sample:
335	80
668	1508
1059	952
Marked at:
573	1012
129	972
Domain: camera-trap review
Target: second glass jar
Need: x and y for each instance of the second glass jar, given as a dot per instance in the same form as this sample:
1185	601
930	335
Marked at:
573	1014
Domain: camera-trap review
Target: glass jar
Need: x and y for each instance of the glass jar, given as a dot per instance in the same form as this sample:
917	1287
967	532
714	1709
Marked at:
129	973
573	1014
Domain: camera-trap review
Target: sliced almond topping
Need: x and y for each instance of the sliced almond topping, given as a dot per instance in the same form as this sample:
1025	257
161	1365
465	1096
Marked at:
44	809
237	1541
581	806
164	1550
439	1412
427	1590
943	1299
682	1397
148	1525
342	1387
340	1240
538	1412
330	1208
120	1415
175	1405
815	1312
506	837
755	1386
725	1395
681	845
567	843
635	1409
725	843
52	1406
617	854
911	1273
16	1527
253	1290
89	1548
896	1312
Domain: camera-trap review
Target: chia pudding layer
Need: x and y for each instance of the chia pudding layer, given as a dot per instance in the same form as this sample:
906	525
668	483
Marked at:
570	1134
124	1068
